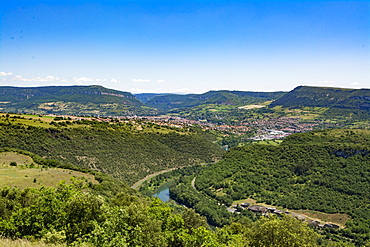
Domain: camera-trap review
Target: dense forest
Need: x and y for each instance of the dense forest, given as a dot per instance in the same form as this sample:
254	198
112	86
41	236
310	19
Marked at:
127	151
326	171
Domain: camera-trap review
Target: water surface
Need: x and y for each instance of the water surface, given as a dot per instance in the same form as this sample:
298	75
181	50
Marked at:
163	192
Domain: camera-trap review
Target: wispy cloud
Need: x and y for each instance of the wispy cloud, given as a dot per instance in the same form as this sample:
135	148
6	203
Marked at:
159	81
140	80
326	83
53	79
82	79
48	78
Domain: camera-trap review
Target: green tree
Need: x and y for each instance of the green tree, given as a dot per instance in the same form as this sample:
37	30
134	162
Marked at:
282	232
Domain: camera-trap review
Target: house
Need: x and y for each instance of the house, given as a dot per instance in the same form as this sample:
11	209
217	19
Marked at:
331	226
258	209
271	210
279	212
314	223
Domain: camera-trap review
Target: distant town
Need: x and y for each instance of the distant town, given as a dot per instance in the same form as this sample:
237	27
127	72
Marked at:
271	129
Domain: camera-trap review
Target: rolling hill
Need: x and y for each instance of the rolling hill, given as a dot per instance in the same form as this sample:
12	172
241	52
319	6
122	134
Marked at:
127	151
224	97
71	100
145	97
304	96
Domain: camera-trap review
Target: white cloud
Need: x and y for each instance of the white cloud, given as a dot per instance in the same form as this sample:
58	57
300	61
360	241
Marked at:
54	80
140	80
48	78
160	81
355	84
82	79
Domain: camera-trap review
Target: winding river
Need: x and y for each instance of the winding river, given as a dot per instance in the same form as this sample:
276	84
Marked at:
163	192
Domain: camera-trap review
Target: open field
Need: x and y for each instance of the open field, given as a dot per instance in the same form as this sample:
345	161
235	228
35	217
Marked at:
27	174
268	142
339	219
248	107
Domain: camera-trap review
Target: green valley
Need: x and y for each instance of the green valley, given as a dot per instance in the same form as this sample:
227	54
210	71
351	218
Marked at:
243	166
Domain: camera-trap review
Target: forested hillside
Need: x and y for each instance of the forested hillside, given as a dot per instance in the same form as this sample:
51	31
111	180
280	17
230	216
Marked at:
128	151
71	100
326	171
68	215
235	98
145	97
304	96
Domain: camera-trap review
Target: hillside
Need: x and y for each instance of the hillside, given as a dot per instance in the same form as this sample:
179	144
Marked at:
145	97
304	96
128	151
326	171
21	171
235	98
100	210
70	100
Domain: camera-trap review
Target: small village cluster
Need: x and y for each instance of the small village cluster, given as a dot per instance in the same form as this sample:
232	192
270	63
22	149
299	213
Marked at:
270	210
271	129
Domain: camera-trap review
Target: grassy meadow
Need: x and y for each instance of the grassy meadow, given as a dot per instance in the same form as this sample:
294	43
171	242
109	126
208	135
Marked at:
28	174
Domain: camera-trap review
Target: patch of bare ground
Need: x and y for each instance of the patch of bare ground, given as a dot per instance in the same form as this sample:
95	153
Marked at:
248	107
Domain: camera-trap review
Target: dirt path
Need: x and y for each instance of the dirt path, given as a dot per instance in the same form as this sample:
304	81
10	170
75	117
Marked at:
138	183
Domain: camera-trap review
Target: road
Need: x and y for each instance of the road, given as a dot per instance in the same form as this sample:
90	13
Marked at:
193	183
138	183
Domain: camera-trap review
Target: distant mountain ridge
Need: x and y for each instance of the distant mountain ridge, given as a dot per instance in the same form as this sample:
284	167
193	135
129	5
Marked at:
145	97
100	101
305	96
74	100
223	97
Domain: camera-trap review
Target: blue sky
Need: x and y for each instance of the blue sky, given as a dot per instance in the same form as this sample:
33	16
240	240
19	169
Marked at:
185	46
